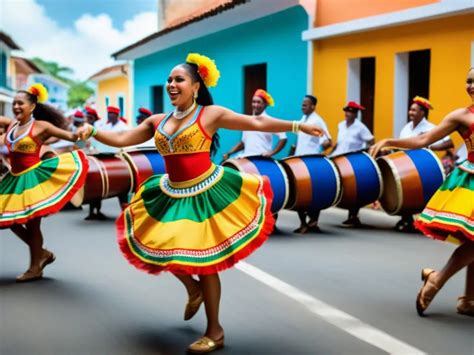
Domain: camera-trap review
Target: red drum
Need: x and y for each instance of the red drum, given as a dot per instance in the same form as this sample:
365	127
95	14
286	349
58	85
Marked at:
267	167
410	178
314	182
144	163
361	179
109	176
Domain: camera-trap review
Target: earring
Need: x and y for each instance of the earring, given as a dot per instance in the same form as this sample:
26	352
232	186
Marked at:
195	95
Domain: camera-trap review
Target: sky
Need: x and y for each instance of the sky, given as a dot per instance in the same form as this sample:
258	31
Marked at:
80	34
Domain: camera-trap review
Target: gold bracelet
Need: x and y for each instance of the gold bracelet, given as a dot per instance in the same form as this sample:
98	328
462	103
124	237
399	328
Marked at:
295	127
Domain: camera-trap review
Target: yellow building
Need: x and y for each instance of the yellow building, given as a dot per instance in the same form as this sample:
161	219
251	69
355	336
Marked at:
113	90
383	53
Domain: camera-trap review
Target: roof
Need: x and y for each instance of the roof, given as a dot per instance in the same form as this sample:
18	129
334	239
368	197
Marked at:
109	72
8	41
26	65
214	9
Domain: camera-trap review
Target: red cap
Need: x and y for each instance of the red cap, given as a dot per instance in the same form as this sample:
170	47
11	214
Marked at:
353	106
78	114
123	119
113	109
91	111
145	111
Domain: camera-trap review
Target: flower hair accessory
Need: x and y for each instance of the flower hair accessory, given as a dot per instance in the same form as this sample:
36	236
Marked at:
40	91
266	96
423	102
207	68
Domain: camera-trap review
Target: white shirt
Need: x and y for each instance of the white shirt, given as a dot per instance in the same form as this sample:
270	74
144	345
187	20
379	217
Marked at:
108	126
307	144
422	127
354	137
257	143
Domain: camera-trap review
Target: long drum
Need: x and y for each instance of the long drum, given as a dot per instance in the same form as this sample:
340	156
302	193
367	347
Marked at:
265	167
314	182
144	163
361	179
109	176
410	178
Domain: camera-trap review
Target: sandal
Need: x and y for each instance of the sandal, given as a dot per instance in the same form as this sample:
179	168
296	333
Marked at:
192	307
466	306
47	259
205	345
29	275
422	303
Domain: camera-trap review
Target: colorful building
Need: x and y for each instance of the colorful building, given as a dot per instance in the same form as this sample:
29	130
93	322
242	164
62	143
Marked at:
7	45
256	44
113	89
383	53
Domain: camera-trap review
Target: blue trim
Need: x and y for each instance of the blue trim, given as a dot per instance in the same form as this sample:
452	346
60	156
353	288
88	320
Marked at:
186	126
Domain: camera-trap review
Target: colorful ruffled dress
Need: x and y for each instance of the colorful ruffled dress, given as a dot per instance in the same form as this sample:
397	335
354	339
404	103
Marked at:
199	218
34	187
449	215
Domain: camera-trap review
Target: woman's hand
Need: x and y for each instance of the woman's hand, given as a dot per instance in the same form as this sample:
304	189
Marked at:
84	132
312	129
375	149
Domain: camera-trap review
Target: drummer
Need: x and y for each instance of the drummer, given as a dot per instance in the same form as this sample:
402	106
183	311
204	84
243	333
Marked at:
143	114
259	143
418	125
352	135
306	144
114	124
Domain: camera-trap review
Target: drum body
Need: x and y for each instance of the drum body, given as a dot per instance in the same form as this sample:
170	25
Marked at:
314	182
410	178
109	176
361	179
144	163
265	167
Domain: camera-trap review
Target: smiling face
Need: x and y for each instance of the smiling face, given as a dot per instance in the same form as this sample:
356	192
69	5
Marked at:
307	107
470	84
415	113
258	105
22	107
181	87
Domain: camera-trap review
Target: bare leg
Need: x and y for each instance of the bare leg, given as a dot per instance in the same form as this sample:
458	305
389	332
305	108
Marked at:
21	233
192	285
33	228
211	288
470	281
303	228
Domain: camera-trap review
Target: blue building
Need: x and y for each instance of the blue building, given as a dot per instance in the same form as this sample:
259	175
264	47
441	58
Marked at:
255	45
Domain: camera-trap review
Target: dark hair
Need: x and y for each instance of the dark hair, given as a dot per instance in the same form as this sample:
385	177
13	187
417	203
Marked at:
312	98
423	108
204	99
44	112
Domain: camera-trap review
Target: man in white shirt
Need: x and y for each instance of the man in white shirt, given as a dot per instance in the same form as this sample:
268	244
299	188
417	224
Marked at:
306	144
418	125
114	124
352	135
259	143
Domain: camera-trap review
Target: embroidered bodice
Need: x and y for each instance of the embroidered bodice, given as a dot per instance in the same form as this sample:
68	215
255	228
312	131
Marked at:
24	150
186	152
469	140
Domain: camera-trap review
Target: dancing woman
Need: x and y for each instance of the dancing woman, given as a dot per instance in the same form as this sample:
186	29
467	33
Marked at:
199	218
449	215
35	188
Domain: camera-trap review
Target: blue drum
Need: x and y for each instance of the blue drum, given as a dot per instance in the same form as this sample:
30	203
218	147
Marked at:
144	163
266	167
314	182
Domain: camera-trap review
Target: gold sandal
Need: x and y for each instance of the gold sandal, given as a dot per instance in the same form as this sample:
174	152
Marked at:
29	275
192	307
466	306
205	345
47	259
422	303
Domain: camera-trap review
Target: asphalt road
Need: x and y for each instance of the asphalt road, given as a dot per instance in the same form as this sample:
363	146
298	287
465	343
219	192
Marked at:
329	293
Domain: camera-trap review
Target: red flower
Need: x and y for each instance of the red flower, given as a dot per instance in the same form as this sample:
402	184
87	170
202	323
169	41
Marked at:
203	71
34	91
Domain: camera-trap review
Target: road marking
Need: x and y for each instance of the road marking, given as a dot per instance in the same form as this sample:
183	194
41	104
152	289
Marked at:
334	316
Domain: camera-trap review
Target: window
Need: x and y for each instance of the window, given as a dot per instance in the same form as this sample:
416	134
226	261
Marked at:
121	104
255	77
157	99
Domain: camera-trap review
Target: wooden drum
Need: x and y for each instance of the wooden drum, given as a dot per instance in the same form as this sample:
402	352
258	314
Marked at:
314	182
265	167
410	178
144	163
361	179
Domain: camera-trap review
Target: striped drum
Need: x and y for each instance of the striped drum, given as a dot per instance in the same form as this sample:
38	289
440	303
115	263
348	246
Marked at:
410	177
361	179
144	163
267	167
314	182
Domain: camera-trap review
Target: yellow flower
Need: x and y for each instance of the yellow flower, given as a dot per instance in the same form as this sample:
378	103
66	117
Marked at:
207	68
40	91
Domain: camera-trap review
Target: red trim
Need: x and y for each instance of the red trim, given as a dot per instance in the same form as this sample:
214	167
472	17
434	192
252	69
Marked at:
60	204
266	230
159	121
198	120
441	231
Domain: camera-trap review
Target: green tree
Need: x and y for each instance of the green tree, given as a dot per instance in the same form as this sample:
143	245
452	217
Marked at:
54	69
78	93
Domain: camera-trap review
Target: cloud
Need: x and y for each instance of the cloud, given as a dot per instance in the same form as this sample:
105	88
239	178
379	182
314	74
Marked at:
86	48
